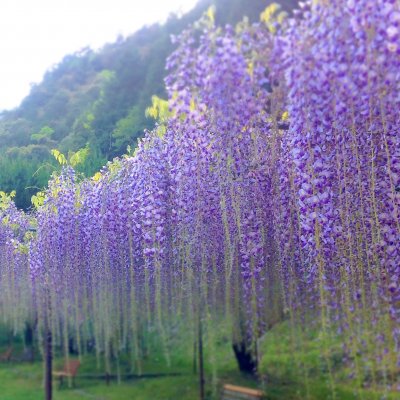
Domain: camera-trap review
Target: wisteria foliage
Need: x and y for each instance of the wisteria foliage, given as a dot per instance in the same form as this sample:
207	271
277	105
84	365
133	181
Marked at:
15	286
271	192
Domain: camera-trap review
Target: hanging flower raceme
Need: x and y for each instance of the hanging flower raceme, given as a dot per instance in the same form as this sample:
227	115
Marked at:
273	184
15	289
222	141
341	63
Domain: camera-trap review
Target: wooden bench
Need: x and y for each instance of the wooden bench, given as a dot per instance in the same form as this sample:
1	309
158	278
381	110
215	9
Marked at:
232	392
6	356
69	371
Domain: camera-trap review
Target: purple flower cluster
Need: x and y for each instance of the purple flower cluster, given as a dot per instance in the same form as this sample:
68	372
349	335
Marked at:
15	288
341	66
274	187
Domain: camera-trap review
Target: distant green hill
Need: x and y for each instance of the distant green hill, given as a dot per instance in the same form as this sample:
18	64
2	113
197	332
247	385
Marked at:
97	98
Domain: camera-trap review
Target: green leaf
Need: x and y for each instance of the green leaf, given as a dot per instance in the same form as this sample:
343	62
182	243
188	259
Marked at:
61	159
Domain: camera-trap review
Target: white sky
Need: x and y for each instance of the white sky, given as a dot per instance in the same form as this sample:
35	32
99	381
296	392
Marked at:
36	34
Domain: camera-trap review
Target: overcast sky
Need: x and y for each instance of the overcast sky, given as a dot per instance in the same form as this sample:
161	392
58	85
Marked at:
36	34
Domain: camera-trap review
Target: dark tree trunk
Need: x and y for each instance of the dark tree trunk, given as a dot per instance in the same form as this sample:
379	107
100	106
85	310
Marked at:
29	351
201	362
48	359
246	361
71	346
28	335
48	350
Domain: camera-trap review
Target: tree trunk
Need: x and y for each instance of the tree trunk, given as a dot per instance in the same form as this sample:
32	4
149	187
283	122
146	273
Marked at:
71	346
247	363
48	351
201	362
48	359
28	335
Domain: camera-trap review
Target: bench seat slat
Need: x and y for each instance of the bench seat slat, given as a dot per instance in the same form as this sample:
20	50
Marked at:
239	396
232	392
236	396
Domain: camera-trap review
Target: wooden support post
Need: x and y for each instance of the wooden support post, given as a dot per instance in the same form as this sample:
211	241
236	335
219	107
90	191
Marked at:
48	355
201	361
48	343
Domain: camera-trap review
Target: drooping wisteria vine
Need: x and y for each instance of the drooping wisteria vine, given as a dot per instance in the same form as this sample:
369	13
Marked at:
271	192
15	285
341	64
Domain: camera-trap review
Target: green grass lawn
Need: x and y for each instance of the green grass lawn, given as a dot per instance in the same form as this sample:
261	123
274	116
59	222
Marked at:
297	366
18	381
23	380
288	371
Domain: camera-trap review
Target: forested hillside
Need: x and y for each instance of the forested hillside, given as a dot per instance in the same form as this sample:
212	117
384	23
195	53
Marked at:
97	99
